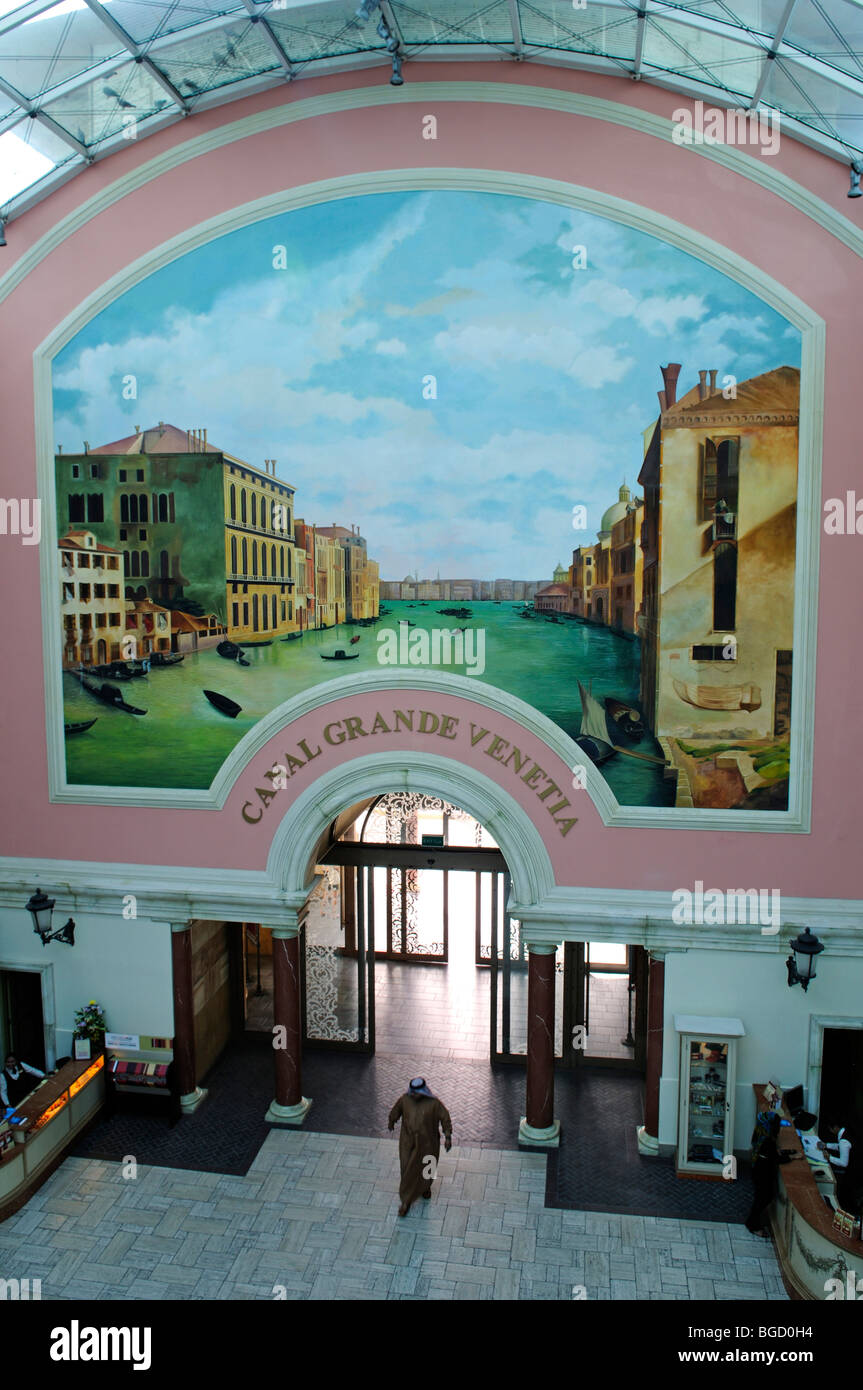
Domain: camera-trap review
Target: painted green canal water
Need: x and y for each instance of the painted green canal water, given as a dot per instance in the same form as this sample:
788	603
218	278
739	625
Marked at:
183	740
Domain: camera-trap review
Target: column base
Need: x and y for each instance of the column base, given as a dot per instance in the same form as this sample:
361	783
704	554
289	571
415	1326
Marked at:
288	1114
647	1145
190	1103
539	1138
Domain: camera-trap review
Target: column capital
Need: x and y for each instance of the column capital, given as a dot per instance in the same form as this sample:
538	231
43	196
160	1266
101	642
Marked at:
541	948
177	927
283	932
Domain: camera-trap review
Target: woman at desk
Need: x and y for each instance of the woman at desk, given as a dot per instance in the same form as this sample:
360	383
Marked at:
842	1157
14	1081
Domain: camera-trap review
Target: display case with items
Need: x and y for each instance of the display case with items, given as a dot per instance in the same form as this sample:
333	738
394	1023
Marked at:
706	1106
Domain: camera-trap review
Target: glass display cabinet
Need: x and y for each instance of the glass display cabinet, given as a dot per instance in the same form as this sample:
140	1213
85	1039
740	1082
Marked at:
708	1065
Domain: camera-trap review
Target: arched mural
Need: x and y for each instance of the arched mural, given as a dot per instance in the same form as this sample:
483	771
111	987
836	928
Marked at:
420	430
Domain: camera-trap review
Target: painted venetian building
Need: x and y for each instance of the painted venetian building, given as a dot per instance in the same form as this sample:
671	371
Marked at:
571	877
626	569
92	609
721	487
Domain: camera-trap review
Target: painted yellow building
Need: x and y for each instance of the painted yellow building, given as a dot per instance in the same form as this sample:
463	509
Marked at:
261	553
720	480
93	611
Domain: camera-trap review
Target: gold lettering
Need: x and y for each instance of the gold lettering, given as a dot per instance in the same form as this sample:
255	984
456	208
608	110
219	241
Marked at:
354	727
402	718
552	787
521	757
448	721
558	806
304	748
475	737
253	820
423	726
564	826
335	724
536	772
265	795
384	726
497	742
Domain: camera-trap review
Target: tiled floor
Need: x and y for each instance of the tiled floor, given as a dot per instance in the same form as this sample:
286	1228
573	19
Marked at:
315	1218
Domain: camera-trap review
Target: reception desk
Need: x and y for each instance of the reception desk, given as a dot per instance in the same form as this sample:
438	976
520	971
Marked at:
55	1112
810	1251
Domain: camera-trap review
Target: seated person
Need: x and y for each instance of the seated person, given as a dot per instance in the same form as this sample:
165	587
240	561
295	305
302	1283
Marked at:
14	1081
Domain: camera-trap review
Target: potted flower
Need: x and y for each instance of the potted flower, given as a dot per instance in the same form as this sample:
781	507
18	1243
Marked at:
90	1023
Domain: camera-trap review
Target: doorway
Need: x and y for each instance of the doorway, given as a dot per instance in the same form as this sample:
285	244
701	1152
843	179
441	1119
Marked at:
21	1019
605	991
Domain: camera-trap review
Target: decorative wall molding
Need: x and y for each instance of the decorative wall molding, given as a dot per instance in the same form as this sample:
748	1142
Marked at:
277	895
294	109
797	819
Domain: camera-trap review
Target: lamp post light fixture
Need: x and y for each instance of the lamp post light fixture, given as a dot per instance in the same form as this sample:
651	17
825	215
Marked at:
801	965
42	908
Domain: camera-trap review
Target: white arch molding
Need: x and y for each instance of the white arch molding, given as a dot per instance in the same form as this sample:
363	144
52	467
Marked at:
812	328
292	856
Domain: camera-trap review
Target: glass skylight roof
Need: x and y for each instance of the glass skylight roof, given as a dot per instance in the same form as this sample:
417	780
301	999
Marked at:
80	77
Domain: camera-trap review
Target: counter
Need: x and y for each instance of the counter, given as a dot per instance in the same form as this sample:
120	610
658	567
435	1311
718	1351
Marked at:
56	1111
810	1250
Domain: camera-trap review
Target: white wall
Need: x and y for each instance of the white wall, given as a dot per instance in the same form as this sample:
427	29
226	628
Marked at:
754	989
124	965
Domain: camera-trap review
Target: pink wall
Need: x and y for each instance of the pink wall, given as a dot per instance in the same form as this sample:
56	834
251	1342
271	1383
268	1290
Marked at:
676	182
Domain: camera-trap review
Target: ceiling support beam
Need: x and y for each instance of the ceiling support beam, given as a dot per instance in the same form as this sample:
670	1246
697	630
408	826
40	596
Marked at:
271	37
131	47
770	55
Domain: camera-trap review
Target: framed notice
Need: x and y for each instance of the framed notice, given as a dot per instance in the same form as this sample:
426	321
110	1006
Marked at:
82	1049
130	1040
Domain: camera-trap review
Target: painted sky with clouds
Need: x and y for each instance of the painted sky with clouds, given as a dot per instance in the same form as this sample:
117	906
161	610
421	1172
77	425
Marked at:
546	375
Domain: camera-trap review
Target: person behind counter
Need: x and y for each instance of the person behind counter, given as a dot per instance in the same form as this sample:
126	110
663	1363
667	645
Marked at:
14	1082
843	1155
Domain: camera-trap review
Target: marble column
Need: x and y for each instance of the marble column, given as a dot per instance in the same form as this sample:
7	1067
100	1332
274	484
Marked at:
648	1133
185	1062
289	1106
538	1127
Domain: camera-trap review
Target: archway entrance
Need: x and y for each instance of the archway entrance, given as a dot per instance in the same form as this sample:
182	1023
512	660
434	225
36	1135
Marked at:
406	947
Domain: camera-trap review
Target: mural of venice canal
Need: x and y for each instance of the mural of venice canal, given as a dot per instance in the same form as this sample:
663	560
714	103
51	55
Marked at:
543	375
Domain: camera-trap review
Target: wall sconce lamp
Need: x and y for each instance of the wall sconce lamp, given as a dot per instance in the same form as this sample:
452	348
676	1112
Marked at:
856	171
42	908
801	965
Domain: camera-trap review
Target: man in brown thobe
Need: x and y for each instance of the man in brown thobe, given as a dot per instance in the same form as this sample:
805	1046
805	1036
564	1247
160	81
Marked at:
423	1116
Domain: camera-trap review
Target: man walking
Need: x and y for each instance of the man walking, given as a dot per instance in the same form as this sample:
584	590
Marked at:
423	1116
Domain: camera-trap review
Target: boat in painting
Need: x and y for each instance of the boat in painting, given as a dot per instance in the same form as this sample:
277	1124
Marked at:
627	719
231	652
80	727
108	694
161	659
340	655
593	739
223	704
728	697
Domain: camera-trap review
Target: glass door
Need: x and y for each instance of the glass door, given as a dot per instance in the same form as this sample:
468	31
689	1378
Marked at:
337	964
605	995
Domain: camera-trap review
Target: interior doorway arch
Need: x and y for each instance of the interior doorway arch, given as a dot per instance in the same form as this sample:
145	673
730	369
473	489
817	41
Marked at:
303	833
